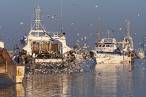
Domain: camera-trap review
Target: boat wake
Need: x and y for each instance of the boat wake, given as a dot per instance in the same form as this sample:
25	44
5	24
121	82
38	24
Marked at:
86	65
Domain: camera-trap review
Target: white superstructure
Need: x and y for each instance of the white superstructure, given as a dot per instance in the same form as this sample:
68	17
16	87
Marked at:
140	53
106	45
2	44
62	39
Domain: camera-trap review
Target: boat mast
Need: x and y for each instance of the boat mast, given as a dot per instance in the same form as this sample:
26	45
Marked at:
37	20
129	35
108	34
144	44
37	26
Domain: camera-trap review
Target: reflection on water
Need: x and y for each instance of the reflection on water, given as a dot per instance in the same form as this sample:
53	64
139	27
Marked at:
106	81
20	90
46	86
59	85
8	92
113	80
12	91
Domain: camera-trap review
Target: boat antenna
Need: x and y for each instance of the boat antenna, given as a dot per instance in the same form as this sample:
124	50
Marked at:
98	29
108	34
61	16
128	29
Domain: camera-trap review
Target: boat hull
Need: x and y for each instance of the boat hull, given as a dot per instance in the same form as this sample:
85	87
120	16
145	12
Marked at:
102	58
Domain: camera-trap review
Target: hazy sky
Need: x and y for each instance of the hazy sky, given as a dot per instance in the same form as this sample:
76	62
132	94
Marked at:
85	17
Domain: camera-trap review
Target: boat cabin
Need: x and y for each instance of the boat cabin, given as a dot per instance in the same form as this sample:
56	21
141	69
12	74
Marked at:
106	45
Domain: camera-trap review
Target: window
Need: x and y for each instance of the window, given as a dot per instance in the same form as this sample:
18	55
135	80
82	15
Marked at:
38	33
107	46
103	45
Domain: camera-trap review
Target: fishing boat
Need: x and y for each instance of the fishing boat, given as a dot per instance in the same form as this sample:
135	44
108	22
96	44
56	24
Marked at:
140	53
110	51
107	51
42	46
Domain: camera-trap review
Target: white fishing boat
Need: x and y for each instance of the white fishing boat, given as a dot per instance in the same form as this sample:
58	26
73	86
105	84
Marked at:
109	50
140	53
43	47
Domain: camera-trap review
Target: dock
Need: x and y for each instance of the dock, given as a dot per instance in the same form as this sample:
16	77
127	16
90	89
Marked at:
7	68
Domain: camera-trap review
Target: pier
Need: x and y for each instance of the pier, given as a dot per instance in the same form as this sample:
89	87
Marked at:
7	68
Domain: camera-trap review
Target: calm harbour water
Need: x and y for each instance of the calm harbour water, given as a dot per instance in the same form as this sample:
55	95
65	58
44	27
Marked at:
105	81
80	18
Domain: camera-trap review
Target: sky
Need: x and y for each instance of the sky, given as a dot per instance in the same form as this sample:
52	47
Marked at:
81	19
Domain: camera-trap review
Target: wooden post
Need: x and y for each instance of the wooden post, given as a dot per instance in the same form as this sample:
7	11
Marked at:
6	67
20	72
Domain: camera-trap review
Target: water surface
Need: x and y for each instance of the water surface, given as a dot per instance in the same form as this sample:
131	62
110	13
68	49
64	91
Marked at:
106	81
